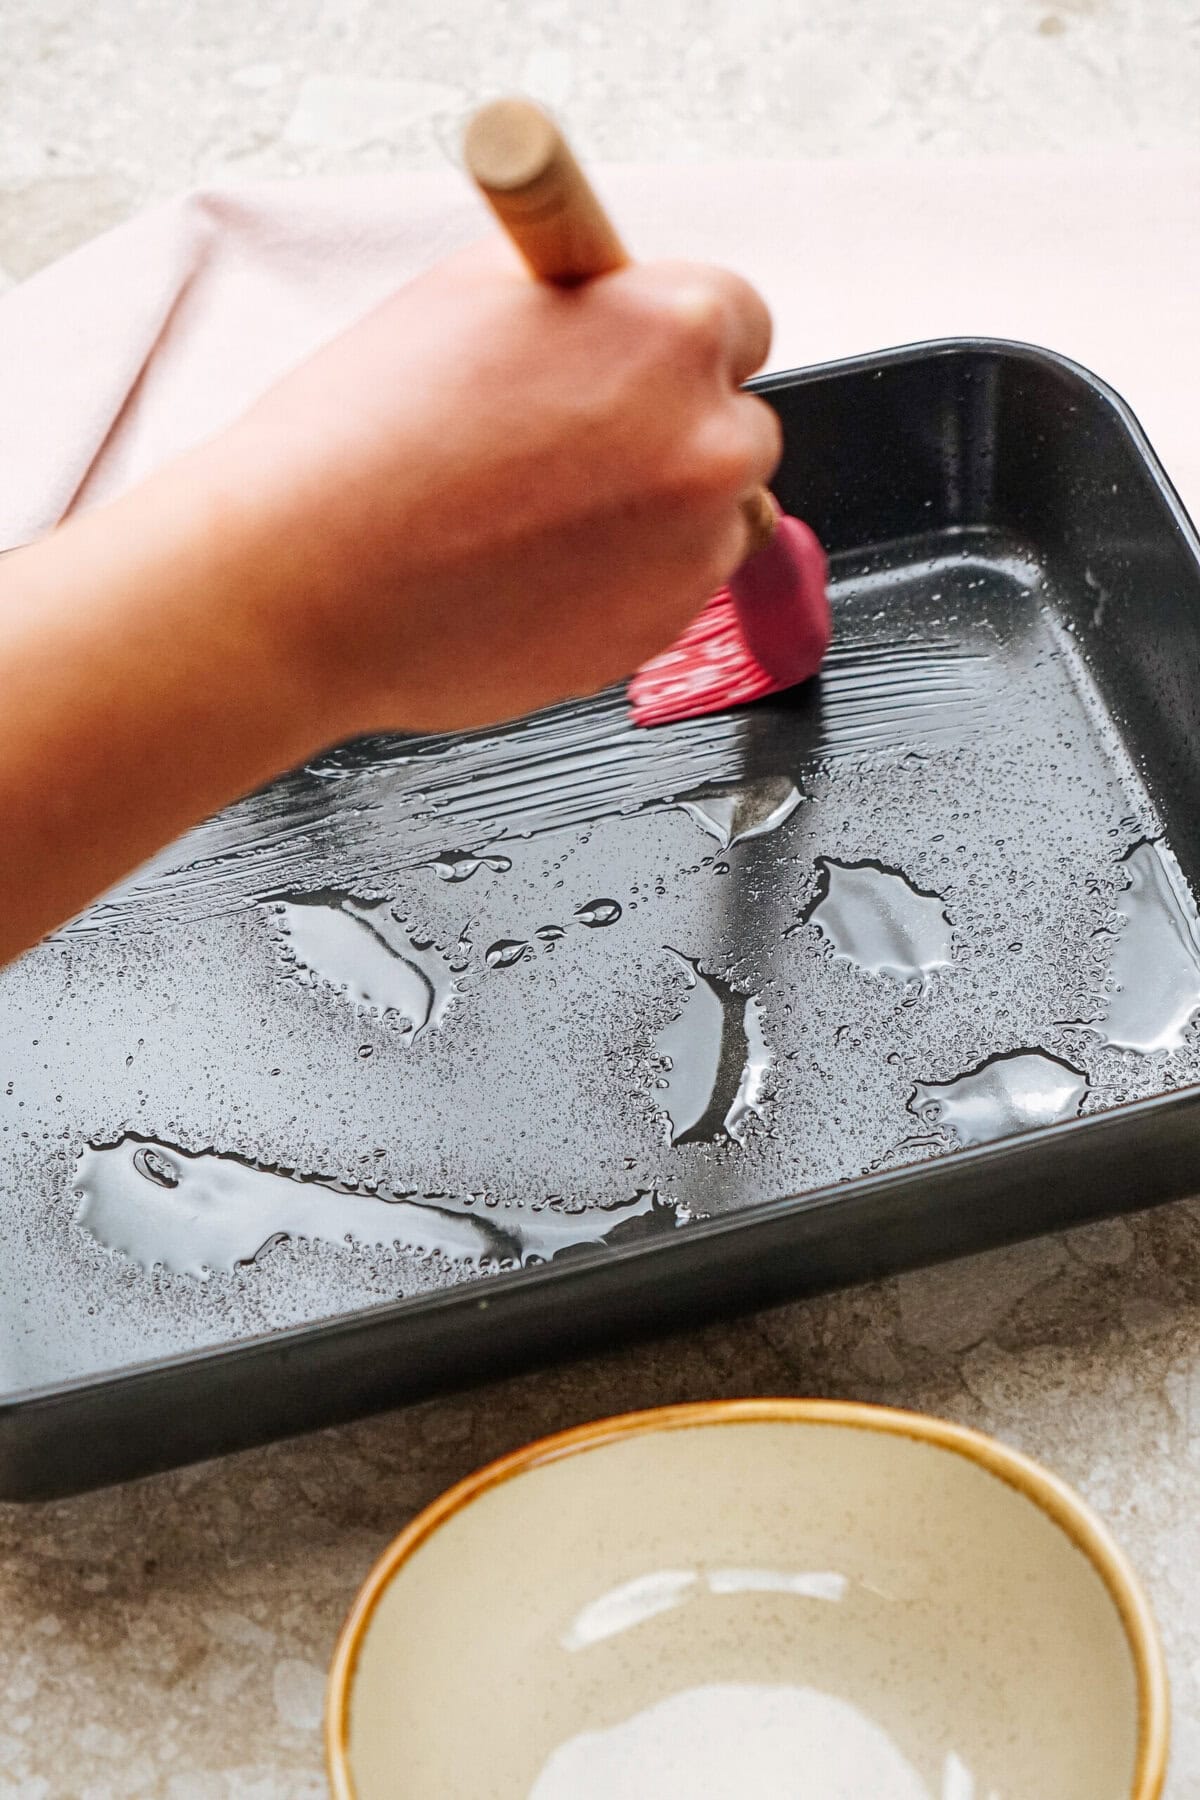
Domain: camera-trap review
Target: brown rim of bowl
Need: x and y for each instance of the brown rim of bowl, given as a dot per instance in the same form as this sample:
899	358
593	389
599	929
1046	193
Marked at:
1053	1496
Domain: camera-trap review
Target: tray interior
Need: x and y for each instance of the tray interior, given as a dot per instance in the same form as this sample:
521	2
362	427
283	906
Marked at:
430	1009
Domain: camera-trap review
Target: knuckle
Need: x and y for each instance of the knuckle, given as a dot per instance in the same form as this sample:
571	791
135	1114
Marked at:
688	304
698	315
767	427
728	453
723	460
748	302
728	550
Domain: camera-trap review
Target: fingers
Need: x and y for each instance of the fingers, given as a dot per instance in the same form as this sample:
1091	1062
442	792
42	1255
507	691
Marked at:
722	318
762	434
735	450
747	324
725	311
759	435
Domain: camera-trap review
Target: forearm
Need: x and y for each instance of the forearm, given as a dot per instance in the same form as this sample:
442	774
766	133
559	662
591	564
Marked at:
141	687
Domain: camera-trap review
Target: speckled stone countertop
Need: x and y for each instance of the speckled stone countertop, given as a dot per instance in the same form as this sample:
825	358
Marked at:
168	1640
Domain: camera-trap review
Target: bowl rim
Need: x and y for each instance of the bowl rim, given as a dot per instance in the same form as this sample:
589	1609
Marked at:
1046	1490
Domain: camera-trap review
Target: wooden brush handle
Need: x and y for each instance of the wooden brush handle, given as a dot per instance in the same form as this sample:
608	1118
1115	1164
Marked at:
524	168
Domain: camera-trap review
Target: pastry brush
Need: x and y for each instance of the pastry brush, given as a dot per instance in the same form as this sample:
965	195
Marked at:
770	627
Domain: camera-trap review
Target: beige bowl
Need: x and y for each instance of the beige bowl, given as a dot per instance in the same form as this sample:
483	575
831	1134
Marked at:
761	1599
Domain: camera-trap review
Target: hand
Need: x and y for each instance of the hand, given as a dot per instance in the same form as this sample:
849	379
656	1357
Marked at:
491	494
484	497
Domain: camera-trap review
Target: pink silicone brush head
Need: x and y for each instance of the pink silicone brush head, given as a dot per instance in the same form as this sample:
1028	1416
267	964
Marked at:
768	630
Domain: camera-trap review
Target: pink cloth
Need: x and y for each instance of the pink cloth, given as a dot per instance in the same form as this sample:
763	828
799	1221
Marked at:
159	332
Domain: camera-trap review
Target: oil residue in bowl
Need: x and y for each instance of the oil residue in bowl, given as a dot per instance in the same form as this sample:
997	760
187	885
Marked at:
878	919
631	1604
715	1058
727	1739
1015	1091
198	1213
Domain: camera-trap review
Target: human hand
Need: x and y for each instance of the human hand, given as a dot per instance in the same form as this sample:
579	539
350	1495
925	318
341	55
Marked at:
491	494
485	497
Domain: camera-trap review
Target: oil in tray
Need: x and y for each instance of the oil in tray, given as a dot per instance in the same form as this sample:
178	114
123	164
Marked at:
714	1060
199	1214
313	982
877	918
1153	988
1016	1091
360	948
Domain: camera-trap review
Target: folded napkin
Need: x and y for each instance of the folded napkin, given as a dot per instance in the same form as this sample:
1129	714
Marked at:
159	332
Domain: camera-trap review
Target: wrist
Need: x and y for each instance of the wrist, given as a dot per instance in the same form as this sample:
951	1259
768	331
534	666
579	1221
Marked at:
140	666
246	580
286	556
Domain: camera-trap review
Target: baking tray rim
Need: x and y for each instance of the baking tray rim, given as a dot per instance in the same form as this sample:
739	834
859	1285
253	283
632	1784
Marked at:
1012	350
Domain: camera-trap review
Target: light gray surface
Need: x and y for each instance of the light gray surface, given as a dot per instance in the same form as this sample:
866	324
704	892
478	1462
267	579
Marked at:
169	1639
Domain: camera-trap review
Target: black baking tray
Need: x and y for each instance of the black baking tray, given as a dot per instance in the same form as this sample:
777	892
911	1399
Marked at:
957	934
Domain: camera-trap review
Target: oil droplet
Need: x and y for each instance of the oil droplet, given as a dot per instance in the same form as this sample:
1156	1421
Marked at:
733	814
199	1213
1155	965
749	1097
731	1739
716	1060
460	865
876	918
359	948
155	1166
505	953
599	912
1016	1091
